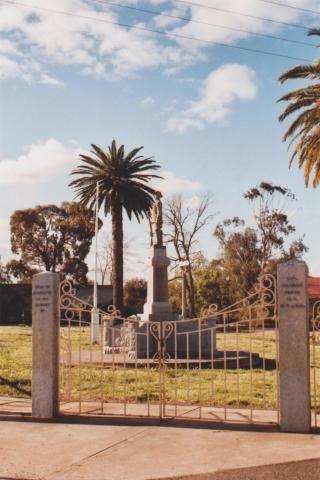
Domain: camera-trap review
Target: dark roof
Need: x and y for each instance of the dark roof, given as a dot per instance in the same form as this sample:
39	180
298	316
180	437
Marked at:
314	287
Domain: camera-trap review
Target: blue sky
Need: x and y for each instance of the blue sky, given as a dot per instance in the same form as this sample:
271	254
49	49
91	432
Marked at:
208	114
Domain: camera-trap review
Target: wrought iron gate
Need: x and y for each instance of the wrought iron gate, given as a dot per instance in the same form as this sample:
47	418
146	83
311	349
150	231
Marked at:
315	364
221	366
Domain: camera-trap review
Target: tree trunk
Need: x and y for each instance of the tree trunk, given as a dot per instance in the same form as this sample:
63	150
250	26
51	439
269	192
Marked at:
191	293
117	255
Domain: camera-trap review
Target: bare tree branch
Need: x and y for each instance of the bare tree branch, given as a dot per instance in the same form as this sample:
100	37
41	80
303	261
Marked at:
184	222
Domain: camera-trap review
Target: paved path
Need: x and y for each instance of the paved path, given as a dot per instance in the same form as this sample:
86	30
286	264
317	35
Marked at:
184	412
89	450
99	448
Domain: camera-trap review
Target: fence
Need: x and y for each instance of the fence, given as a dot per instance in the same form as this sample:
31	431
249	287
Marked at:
219	366
246	363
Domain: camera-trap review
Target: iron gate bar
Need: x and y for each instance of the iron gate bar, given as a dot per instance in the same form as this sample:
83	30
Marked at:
315	341
177	377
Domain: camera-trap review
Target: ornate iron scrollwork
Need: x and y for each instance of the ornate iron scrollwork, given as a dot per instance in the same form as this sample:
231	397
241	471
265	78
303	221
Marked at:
262	303
316	317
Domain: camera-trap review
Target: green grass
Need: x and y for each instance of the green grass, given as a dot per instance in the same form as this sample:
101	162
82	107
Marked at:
193	386
15	361
212	387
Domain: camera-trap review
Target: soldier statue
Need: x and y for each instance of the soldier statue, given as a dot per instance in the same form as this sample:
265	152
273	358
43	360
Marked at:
156	221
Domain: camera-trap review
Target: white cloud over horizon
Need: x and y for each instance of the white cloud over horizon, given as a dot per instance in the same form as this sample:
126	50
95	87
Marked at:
219	91
5	246
41	161
88	38
172	184
49	160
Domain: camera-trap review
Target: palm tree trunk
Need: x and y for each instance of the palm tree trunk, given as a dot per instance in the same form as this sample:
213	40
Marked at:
117	255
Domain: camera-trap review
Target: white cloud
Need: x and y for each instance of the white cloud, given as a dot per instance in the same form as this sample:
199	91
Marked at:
5	246
4	228
219	90
48	80
42	161
175	185
206	21
36	39
50	159
87	39
8	68
169	17
148	101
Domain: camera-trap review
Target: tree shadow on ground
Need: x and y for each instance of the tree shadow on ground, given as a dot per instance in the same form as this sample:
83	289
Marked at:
228	360
16	385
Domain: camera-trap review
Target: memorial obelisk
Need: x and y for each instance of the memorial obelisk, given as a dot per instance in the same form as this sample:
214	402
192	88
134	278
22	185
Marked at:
185	339
157	307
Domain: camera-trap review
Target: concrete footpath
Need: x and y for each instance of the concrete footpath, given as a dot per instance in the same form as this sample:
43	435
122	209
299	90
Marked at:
88	450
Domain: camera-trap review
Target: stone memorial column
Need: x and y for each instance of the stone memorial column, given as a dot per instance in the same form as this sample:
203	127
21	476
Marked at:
157	308
294	364
45	345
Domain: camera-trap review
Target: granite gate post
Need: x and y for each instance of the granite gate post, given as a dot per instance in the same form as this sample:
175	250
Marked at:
294	362
45	345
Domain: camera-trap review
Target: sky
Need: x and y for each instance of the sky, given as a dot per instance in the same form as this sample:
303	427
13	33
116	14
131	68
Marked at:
201	97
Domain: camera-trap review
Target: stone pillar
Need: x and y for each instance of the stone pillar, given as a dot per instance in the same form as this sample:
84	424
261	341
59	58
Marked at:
45	345
293	303
158	307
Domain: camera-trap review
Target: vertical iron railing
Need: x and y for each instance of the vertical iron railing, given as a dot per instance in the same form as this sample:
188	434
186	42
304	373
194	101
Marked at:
315	363
221	366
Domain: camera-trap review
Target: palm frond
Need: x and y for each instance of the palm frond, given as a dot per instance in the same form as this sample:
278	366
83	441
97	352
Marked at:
123	178
310	71
307	92
306	117
314	31
304	131
292	107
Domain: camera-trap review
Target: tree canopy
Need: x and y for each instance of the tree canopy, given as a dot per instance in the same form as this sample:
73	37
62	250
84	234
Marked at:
4	276
51	238
248	252
135	294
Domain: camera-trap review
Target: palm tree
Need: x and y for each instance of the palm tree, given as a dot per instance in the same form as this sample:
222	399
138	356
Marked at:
305	129
123	185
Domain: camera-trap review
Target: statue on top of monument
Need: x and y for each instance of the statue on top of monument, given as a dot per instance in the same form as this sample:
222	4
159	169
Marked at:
156	221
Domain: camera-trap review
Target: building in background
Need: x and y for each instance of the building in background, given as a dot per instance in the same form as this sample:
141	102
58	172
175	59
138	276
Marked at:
16	301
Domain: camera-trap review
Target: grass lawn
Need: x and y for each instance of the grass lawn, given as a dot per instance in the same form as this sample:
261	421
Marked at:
212	387
15	361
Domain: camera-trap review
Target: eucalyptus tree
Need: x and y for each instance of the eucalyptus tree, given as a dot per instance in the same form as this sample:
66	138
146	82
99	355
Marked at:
4	275
269	204
52	238
248	253
304	131
123	186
